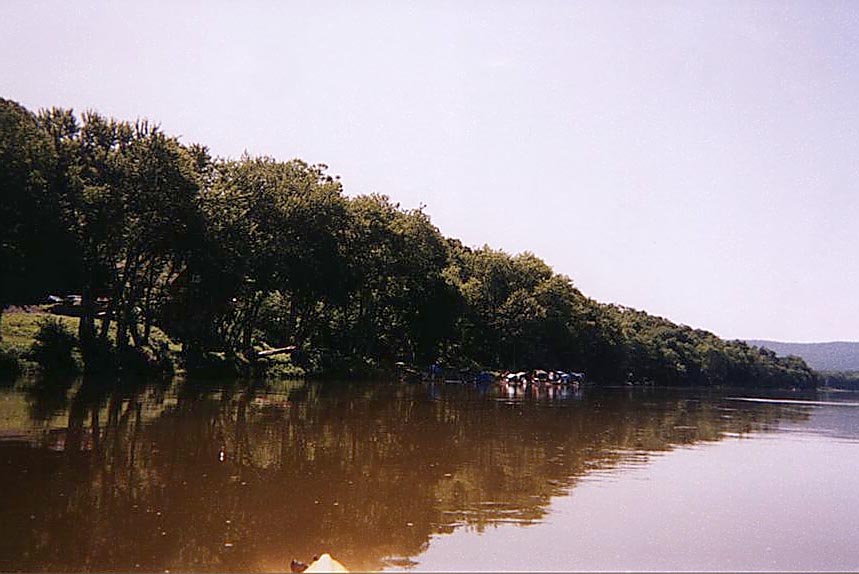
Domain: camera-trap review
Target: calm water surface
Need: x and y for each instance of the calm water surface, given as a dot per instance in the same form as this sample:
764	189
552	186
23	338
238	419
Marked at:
194	477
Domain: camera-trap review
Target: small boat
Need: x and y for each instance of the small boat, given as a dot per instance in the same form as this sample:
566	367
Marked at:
324	563
517	378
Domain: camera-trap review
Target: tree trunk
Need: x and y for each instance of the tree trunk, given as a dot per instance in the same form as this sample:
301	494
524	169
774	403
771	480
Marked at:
86	327
250	325
147	303
122	328
135	334
105	322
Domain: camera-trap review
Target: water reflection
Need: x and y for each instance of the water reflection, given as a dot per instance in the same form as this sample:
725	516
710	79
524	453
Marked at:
246	477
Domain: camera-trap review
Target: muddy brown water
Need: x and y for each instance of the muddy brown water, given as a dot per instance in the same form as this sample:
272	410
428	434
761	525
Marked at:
203	477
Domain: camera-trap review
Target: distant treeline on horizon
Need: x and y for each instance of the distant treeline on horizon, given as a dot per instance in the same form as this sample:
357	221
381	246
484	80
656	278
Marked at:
228	257
837	356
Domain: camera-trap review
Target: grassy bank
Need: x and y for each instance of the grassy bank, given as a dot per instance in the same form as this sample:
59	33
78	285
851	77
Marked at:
20	327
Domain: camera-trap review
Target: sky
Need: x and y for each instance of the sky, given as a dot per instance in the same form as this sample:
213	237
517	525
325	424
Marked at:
697	160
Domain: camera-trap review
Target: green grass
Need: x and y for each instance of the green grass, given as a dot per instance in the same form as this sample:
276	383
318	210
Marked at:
19	330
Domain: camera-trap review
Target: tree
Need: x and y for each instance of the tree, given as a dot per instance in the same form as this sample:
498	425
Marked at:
400	305
32	239
271	230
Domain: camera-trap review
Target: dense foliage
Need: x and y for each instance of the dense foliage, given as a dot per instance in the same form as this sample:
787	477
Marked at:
840	379
229	257
53	348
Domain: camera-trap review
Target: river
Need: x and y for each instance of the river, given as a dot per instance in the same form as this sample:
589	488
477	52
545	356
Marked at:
190	476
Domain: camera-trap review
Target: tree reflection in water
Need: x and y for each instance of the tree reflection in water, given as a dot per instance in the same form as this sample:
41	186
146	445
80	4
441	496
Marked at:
248	476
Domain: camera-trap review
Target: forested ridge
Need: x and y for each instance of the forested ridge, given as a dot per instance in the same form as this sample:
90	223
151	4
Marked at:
840	356
229	257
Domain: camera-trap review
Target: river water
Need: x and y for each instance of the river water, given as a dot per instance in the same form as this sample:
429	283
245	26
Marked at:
187	476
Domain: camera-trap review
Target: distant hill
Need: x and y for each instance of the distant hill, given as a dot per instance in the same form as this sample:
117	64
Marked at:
836	356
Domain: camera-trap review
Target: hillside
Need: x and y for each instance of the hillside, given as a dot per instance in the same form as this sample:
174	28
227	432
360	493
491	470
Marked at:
834	356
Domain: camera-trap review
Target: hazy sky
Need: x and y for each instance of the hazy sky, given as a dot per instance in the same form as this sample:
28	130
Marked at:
698	160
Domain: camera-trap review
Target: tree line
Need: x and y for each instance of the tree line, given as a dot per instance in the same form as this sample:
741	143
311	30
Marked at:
228	257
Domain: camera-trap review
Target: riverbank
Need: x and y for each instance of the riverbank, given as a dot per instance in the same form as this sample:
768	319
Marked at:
22	332
20	328
18	331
